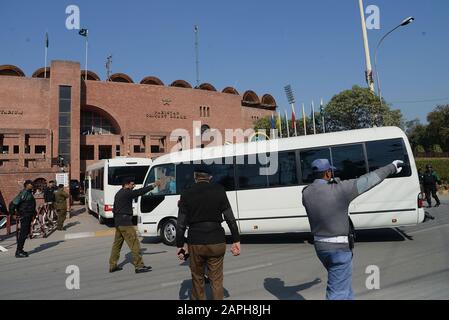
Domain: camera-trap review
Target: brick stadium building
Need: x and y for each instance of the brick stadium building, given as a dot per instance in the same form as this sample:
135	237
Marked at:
57	113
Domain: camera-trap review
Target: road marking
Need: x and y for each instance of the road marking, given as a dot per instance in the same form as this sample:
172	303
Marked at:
260	266
96	234
2	249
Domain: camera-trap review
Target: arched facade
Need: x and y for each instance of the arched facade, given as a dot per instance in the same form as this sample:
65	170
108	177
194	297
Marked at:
268	101
152	80
181	84
121	77
90	75
250	98
10	70
96	121
41	73
230	90
207	87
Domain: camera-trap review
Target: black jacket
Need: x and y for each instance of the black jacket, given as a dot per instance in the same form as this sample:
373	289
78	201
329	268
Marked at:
49	194
202	208
25	203
123	205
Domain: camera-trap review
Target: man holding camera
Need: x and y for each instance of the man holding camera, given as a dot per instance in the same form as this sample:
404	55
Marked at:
327	201
202	208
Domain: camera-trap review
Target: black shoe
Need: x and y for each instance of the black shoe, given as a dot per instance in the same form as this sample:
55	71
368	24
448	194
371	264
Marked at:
114	269
143	269
21	254
437	205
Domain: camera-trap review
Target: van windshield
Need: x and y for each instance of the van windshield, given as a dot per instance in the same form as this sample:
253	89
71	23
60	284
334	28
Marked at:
116	174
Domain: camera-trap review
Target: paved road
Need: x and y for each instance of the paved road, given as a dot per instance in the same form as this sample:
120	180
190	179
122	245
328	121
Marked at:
413	264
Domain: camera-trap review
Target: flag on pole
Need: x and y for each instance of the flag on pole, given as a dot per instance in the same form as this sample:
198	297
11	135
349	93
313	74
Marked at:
286	124
322	115
313	117
46	51
83	32
294	120
304	119
279	124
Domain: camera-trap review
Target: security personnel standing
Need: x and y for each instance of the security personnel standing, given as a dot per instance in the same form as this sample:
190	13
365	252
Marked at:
327	201
430	180
49	193
61	206
25	204
124	228
201	208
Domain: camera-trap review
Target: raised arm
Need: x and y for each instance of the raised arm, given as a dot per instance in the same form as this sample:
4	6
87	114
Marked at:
354	188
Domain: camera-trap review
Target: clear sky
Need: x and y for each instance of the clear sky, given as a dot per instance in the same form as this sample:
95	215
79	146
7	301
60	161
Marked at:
316	46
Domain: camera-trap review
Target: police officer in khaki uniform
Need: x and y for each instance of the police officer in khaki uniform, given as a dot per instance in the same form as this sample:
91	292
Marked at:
61	206
124	228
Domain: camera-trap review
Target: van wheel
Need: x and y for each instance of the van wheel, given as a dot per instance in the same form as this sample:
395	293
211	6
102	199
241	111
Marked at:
101	220
168	232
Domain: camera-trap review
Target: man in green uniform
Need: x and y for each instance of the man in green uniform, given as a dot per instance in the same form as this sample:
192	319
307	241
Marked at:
25	205
124	228
61	206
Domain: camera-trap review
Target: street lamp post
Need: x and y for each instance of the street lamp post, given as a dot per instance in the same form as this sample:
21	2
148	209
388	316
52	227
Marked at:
368	72
403	23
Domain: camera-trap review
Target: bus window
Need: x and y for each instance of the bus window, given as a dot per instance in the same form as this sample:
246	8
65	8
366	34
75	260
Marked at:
382	152
286	170
349	161
248	174
167	176
307	157
116	174
222	172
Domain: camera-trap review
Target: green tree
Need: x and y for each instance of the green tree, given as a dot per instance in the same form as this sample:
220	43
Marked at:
359	108
438	127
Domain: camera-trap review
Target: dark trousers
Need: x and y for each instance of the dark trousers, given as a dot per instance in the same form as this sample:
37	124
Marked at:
431	191
211	255
25	225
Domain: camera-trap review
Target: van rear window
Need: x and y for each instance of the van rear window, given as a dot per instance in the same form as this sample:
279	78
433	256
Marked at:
116	174
382	152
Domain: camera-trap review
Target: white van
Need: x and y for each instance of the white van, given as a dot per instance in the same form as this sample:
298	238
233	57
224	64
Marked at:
104	179
273	203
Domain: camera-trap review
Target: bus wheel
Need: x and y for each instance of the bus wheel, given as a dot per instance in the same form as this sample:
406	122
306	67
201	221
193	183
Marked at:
168	232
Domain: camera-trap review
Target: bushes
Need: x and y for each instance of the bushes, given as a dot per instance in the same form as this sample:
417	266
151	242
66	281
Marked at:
440	165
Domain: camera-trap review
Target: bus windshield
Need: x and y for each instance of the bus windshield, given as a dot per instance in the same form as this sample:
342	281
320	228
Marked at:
166	175
116	174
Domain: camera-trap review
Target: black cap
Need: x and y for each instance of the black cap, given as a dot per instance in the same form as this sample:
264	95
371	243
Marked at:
27	182
60	186
429	166
127	180
202	169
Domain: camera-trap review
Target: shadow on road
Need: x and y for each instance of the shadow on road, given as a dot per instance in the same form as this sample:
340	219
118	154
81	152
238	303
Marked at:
129	256
45	246
185	291
277	288
77	212
381	235
71	224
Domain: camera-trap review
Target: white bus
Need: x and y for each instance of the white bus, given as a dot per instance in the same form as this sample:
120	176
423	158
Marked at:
104	179
273	203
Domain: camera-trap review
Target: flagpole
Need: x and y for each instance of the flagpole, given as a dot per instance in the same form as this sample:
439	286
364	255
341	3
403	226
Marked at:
46	52
322	115
87	46
286	123
313	117
280	124
294	120
304	119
